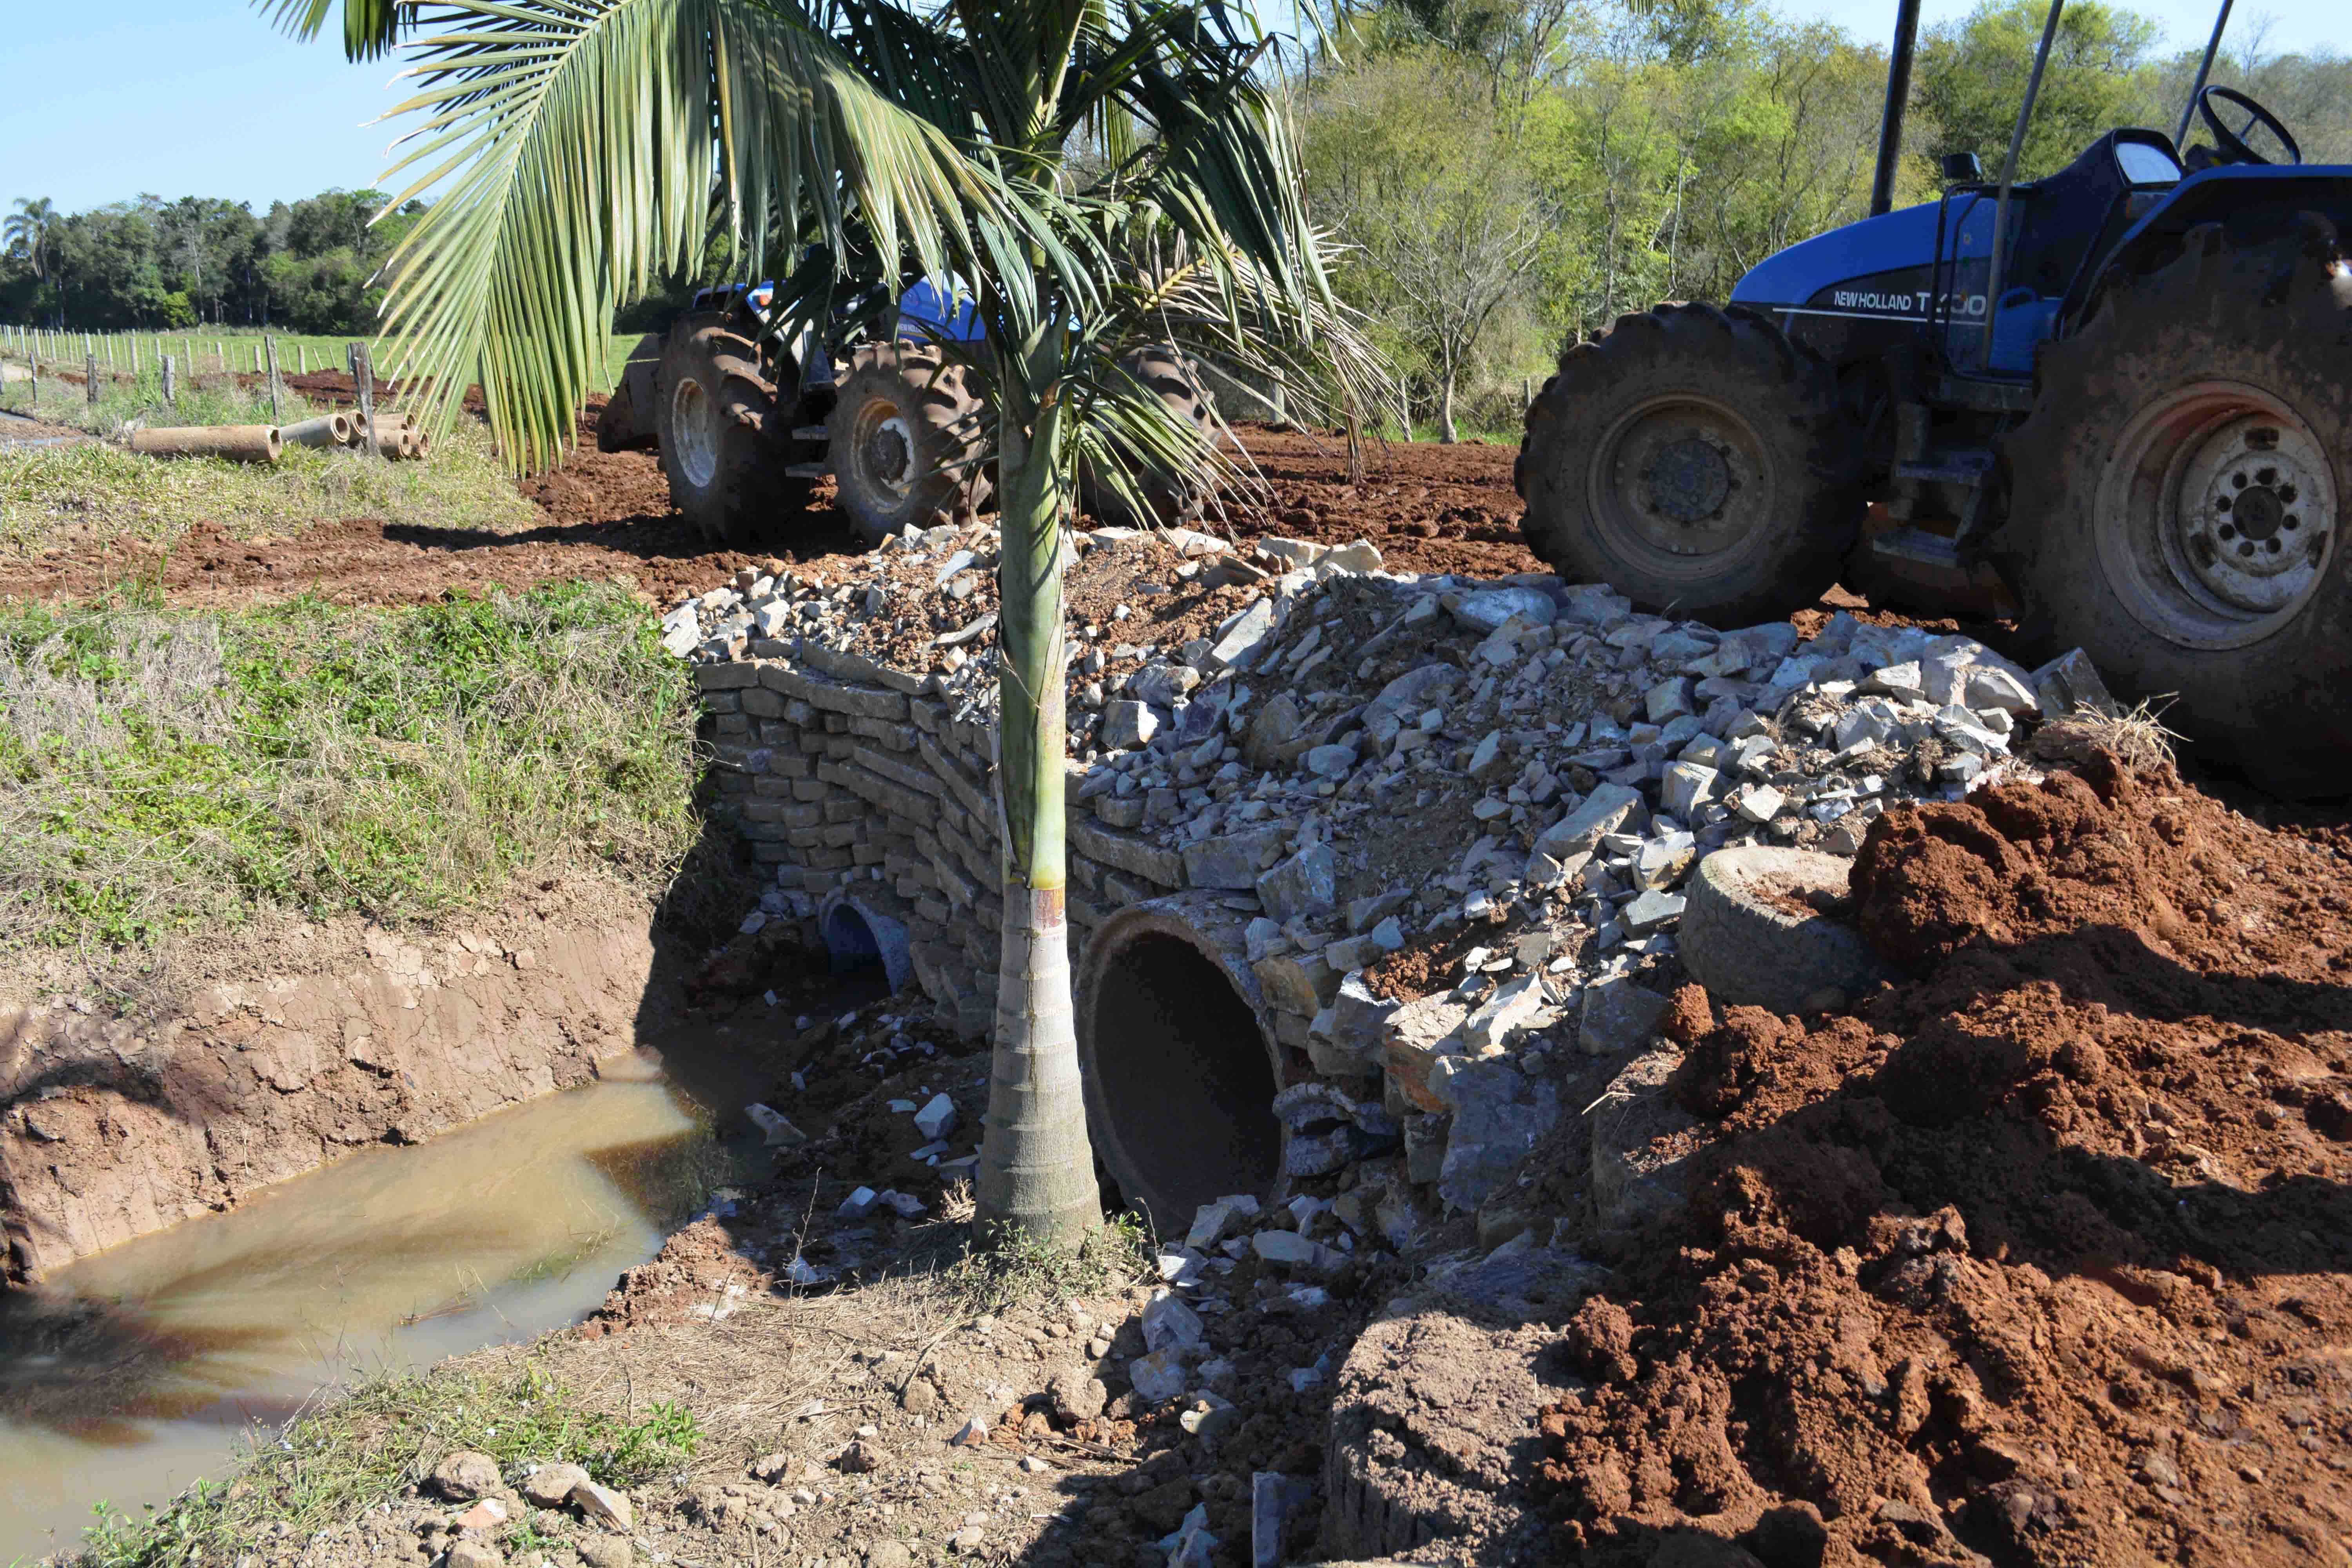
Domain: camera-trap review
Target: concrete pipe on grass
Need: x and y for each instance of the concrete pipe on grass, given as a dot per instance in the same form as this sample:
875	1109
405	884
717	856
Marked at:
235	443
326	430
1177	1052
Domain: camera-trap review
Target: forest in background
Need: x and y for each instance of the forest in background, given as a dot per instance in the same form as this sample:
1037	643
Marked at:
1511	174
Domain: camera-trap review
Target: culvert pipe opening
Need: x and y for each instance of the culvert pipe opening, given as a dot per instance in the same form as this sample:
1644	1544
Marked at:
1180	1070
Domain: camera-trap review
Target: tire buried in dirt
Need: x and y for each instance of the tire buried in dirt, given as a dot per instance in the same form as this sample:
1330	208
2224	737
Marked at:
1696	460
907	438
2177	497
725	435
1169	499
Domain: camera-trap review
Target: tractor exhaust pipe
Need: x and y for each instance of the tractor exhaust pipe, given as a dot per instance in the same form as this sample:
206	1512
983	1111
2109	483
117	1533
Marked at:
2204	70
2009	174
1898	101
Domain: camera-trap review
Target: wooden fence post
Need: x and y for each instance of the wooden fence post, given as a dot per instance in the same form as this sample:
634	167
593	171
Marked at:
363	378
302	359
90	368
269	346
170	392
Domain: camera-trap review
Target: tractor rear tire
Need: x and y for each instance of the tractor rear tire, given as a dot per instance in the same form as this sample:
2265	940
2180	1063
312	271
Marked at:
1697	461
2179	493
726	436
907	443
1170	500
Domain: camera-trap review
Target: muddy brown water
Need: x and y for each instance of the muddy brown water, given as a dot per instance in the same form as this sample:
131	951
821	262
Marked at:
131	1374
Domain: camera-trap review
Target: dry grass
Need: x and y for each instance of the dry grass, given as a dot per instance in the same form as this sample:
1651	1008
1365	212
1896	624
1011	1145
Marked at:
90	496
2136	738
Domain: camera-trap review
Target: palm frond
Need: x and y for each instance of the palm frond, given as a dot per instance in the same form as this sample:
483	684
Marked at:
371	28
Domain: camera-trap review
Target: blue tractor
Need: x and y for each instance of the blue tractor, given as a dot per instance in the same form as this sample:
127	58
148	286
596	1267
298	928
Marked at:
747	420
2116	400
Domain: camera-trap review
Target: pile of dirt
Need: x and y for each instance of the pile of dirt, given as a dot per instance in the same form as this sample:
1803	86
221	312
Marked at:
2040	1257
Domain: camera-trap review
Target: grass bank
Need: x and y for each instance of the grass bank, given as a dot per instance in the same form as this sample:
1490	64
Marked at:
160	769
326	1469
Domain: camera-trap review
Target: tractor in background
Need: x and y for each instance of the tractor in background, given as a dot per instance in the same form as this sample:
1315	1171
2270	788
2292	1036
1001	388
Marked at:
747	420
2116	400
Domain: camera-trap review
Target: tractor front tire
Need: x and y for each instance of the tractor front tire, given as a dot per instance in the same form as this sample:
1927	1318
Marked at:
726	439
1697	461
907	441
1169	499
2178	498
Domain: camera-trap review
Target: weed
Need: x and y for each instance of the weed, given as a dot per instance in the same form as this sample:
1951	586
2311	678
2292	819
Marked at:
1020	1267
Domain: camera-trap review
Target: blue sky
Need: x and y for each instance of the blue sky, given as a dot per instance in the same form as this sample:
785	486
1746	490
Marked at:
202	97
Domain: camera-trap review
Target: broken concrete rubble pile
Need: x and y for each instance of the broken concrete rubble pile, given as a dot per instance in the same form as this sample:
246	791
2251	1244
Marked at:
1493	792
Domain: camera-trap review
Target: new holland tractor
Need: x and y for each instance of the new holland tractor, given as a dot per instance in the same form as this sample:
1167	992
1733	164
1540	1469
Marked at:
747	423
2120	394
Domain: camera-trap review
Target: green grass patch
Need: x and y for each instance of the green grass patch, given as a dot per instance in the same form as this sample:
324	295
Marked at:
325	1470
160	769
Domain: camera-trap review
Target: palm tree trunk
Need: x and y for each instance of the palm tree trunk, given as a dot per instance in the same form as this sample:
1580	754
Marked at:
1036	1166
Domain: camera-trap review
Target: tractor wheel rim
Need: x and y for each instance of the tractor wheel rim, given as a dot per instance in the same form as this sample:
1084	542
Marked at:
1680	478
693	423
2217	515
885	445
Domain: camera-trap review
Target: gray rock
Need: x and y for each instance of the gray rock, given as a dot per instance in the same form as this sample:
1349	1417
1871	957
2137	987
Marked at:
1128	724
1360	1019
1169	1324
1240	637
1668	699
1332	762
1653	910
1498	1115
1490	1026
1990	686
2070	683
1618	1015
1293	1250
1685	788
937	1118
1610	808
605	1552
550	1486
1158	1377
1306	884
1162	684
1631	1184
1235	860
1489	607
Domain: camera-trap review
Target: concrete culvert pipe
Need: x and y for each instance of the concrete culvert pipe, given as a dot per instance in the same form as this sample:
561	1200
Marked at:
326	430
865	926
1178	1056
235	443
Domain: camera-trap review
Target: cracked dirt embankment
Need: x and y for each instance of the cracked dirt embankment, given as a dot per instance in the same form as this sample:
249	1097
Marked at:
113	1128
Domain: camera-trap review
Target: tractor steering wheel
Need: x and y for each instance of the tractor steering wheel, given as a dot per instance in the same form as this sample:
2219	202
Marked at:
2231	143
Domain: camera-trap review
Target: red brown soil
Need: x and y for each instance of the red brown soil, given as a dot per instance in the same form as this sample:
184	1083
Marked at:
2042	1257
607	515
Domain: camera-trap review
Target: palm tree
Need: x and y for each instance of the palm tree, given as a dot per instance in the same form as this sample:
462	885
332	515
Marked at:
575	144
29	230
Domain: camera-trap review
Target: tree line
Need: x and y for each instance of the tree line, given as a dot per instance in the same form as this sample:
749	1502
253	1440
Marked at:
1514	174
308	265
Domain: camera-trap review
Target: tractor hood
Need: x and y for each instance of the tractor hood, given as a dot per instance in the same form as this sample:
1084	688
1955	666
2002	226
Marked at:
1878	269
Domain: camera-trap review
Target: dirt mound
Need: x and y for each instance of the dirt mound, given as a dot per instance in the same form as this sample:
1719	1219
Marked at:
2040	1258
